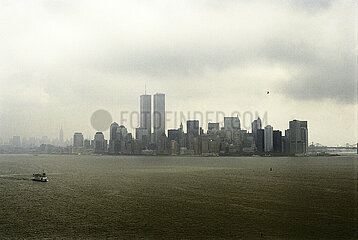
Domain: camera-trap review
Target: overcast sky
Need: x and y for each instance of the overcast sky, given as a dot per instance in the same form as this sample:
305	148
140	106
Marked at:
62	60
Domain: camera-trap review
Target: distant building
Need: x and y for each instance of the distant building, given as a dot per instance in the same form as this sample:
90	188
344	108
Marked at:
231	123
173	135
87	144
158	116
268	136
192	127
255	125
298	137
146	113
99	143
174	147
113	145
78	140
277	141
113	130
142	134
213	127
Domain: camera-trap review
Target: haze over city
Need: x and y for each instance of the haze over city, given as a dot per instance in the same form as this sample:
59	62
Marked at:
63	60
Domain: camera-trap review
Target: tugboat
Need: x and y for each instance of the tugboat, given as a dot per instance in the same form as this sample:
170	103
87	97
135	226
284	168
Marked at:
41	177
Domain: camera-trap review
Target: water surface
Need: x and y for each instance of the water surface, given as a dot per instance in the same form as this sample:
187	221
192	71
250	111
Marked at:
133	197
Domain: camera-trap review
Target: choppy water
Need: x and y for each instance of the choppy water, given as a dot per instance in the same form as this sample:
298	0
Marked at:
95	197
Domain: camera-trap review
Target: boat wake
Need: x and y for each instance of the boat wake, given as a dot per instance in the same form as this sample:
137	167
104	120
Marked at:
21	176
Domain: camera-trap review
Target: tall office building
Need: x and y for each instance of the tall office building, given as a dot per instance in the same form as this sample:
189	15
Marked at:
121	138
99	143
277	141
112	131
260	141
255	125
231	123
192	127
268	136
173	135
298	137
158	116
78	140
113	143
213	127
146	113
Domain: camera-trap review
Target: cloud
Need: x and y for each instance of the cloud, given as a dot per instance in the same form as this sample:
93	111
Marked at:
85	55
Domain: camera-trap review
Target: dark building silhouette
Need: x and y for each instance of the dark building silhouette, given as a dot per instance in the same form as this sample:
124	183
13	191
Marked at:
192	127
99	143
277	141
158	116
173	134
259	141
298	137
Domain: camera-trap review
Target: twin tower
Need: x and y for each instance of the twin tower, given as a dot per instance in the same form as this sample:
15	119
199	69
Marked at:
145	129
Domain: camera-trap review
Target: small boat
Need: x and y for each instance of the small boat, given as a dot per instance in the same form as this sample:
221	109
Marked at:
41	177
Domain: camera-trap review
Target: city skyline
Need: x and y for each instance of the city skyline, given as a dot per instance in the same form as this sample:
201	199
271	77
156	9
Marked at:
147	116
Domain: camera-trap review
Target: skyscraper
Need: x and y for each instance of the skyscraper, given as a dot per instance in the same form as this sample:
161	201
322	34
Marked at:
99	143
213	127
113	143
192	127
231	123
146	113
260	140
268	133
277	141
255	125
78	140
158	116
298	137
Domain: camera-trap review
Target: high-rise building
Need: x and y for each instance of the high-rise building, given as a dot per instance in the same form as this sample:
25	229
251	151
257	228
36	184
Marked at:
255	125
268	136
231	123
298	137
113	130
99	143
173	135
121	138
277	141
158	116
113	145
260	141
213	127
78	140
87	143
146	113
192	127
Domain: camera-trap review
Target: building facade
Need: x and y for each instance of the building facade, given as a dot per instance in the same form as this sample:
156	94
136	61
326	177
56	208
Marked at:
298	137
268	136
146	113
158	116
78	140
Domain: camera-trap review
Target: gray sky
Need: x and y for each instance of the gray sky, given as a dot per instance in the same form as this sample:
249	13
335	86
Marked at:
62	60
